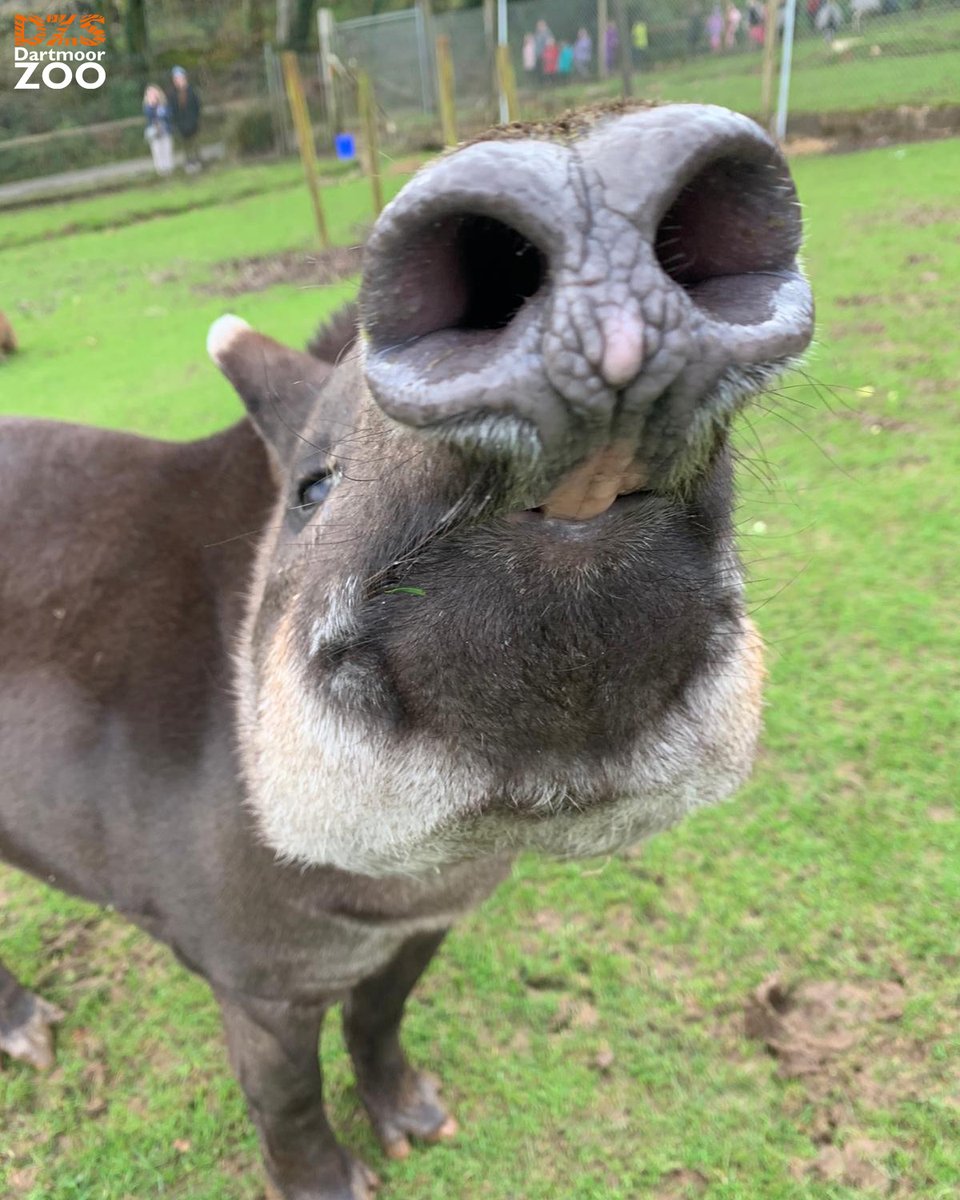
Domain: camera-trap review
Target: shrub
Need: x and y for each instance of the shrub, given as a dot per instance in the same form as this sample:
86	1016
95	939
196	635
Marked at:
250	132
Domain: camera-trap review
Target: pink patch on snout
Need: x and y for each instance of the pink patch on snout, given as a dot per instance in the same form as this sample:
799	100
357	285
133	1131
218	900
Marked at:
622	349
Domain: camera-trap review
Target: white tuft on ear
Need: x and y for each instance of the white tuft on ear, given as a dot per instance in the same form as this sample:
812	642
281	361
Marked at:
222	332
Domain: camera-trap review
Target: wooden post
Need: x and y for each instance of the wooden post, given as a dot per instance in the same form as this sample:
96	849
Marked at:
508	81
445	80
367	103
769	61
626	48
603	18
301	121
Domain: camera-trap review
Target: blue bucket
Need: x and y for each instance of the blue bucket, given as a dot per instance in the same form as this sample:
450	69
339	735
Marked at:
345	145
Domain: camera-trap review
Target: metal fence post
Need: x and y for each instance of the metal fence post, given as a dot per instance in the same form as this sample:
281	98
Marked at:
423	55
325	36
504	65
786	64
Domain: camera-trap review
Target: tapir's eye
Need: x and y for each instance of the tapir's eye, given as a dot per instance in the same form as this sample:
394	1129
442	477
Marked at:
314	490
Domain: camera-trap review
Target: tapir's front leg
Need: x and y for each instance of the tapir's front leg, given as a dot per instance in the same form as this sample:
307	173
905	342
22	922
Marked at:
274	1052
401	1101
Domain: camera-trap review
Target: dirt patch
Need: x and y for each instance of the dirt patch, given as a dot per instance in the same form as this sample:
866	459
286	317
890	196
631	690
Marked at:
809	1027
305	268
843	1043
922	215
857	300
796	147
681	1184
857	1165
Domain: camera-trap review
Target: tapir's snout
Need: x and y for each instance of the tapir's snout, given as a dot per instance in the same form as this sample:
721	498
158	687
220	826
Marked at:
615	287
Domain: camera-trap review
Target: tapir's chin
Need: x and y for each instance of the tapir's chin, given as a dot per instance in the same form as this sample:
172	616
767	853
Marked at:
331	788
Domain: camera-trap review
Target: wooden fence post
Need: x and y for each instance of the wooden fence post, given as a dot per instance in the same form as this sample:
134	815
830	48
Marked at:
508	81
301	121
367	102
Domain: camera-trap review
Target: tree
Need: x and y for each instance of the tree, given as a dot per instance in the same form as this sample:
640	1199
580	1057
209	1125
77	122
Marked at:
135	26
300	32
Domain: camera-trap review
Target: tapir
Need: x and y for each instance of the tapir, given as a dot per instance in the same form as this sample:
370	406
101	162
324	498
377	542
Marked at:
462	581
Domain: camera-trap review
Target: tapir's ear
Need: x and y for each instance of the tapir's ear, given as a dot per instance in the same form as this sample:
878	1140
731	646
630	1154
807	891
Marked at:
278	385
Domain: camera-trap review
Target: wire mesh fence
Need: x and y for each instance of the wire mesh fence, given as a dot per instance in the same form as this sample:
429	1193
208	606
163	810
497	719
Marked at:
847	55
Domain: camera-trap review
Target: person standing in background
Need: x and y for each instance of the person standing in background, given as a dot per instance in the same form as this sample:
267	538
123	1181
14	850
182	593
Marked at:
158	132
529	54
756	20
185	113
542	35
694	28
715	28
732	27
582	53
641	40
611	45
550	60
565	61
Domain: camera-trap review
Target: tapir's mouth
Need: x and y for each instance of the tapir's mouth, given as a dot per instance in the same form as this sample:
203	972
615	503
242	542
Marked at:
595	484
578	527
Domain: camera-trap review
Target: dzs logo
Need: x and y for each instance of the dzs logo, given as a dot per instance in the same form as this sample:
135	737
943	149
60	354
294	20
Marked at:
59	65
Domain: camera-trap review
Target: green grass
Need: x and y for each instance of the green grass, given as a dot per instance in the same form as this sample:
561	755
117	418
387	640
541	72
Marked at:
839	861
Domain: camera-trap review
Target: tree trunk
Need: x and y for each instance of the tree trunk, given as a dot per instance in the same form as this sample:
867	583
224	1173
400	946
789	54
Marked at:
135	23
300	27
254	21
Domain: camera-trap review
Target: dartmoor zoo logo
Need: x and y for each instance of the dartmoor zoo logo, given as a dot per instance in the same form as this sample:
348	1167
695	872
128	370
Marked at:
58	50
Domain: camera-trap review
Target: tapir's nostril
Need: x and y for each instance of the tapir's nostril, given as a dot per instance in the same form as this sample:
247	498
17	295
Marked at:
734	217
500	269
465	271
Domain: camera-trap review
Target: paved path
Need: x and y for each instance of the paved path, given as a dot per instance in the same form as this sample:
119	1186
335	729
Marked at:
92	178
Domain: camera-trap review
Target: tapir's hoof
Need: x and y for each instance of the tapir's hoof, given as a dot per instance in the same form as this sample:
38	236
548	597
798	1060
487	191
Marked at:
31	1039
416	1111
364	1181
361	1184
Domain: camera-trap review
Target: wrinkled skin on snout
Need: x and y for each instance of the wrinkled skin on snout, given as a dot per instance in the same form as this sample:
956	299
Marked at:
499	604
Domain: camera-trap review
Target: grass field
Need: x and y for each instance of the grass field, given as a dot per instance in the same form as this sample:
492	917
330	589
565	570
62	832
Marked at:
589	1021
